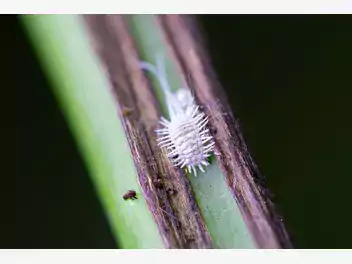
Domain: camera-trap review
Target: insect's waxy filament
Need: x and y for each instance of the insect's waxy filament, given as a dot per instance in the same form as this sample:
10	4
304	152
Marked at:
185	137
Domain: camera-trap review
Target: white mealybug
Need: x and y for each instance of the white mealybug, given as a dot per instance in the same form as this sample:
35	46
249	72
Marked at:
185	137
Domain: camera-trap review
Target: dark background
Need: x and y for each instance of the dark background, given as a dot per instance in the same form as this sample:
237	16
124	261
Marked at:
289	81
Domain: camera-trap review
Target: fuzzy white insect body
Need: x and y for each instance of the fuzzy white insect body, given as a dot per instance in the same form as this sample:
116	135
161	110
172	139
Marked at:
185	137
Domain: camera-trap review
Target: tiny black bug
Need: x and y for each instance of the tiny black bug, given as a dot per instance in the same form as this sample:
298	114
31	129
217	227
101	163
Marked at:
130	194
126	111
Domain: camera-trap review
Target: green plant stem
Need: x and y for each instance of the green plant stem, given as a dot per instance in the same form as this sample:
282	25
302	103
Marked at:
83	92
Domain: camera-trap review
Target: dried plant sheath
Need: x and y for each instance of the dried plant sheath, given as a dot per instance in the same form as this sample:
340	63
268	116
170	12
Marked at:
167	190
241	172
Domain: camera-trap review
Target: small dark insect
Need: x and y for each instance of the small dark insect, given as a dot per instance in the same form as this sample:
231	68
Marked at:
158	183
171	190
126	111
130	194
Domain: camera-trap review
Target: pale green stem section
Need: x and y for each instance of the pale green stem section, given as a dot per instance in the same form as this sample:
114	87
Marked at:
83	92
219	209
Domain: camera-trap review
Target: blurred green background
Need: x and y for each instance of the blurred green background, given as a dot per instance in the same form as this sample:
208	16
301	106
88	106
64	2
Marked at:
289	81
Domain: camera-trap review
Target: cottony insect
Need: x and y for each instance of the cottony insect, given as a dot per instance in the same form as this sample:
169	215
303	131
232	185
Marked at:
185	137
